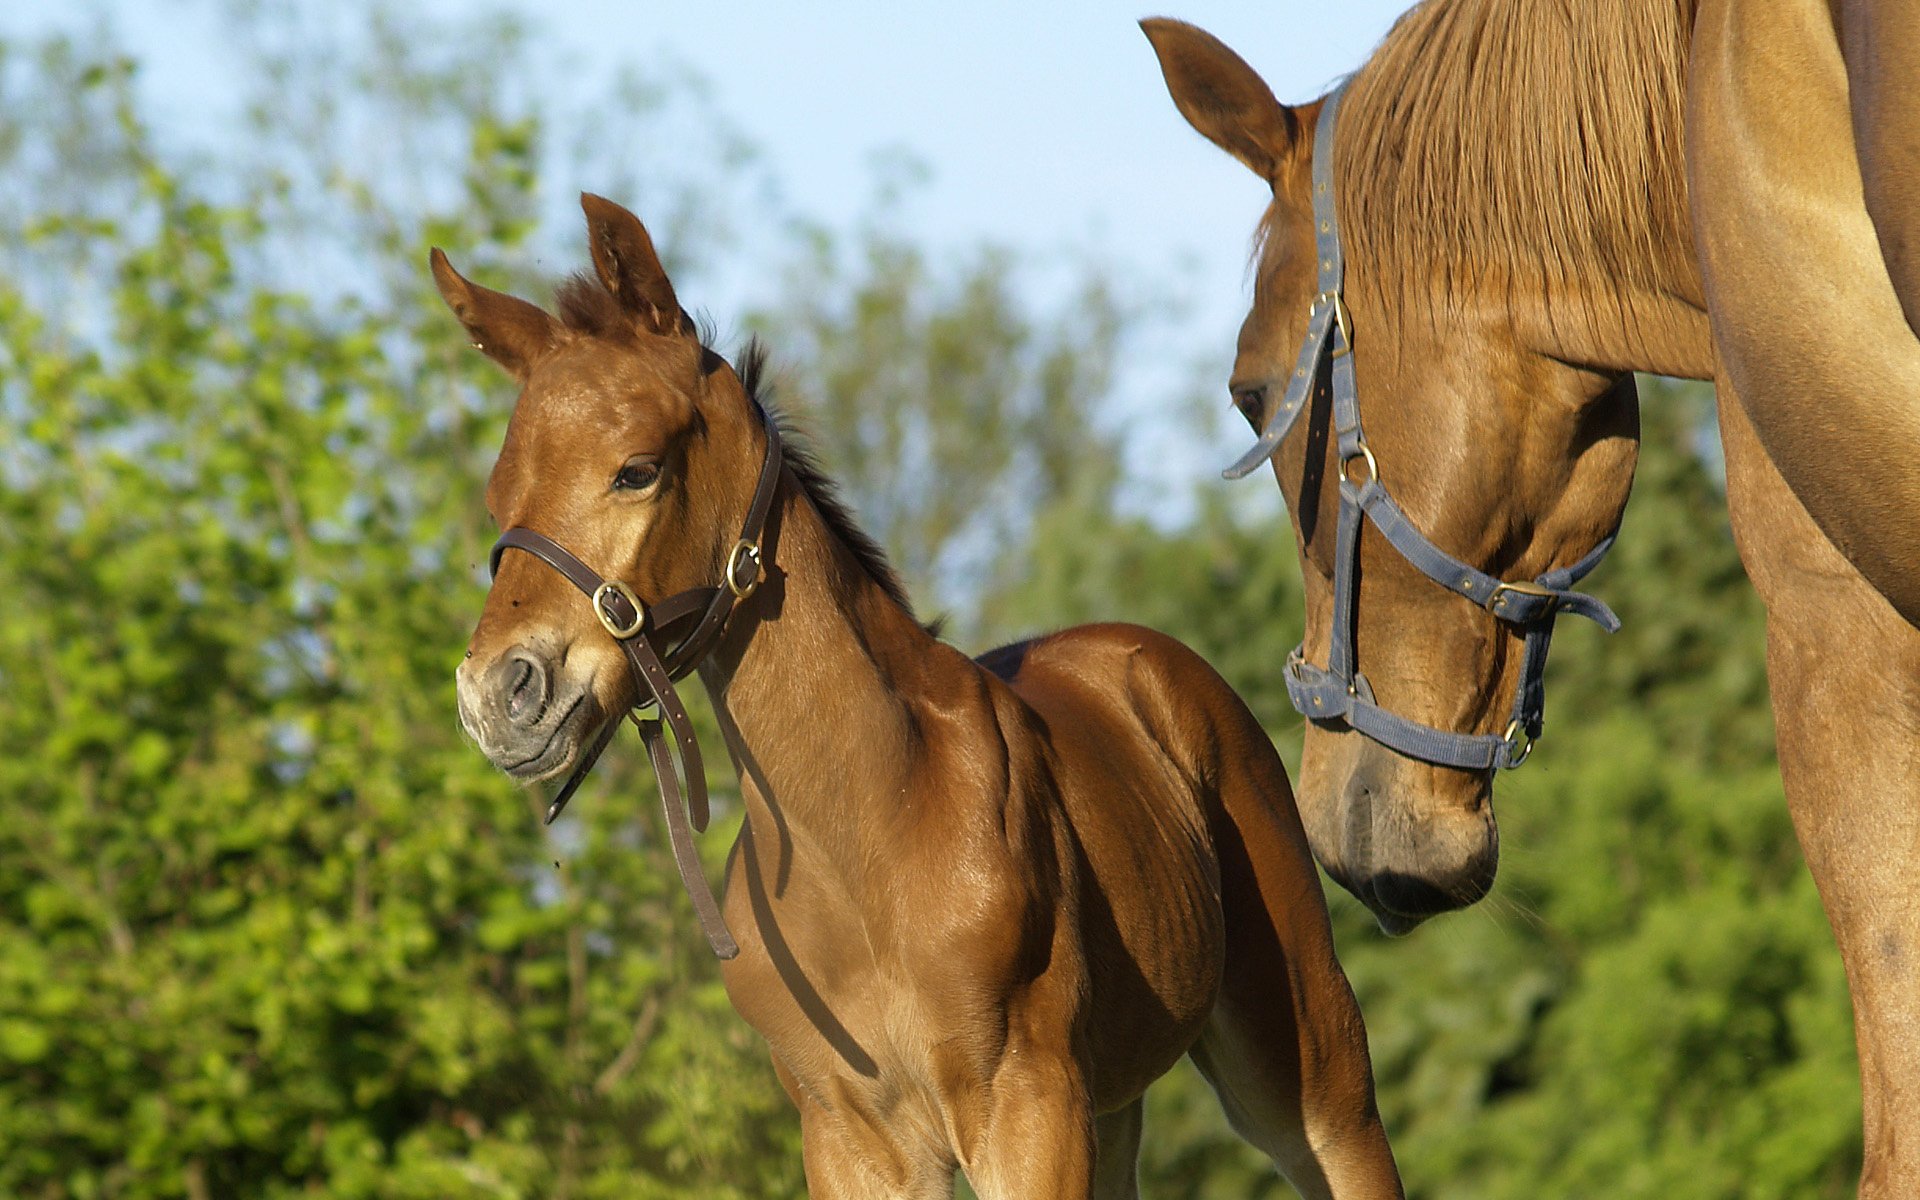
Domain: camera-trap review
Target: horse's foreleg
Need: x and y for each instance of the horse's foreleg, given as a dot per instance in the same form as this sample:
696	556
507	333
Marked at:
841	1168
1039	1138
1790	253
848	1156
1845	675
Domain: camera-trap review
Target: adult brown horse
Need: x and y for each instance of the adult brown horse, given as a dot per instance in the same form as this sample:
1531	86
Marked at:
979	905
1509	182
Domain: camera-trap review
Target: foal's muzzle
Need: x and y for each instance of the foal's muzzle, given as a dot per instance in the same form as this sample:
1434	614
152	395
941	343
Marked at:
523	711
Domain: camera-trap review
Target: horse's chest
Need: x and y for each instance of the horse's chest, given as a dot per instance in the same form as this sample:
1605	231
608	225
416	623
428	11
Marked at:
831	996
867	1048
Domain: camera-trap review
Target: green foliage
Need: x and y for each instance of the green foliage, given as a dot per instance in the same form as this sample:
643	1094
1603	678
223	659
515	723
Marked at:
269	927
266	924
953	414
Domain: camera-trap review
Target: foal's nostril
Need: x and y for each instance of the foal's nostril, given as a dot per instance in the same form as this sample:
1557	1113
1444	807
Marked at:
526	689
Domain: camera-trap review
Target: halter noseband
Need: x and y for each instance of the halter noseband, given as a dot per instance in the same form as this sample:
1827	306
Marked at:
1339	690
703	613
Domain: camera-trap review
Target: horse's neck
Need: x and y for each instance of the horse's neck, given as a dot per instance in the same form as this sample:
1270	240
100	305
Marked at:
1657	321
1657	330
812	689
1565	208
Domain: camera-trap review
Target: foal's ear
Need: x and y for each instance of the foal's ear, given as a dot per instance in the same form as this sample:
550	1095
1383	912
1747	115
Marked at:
1223	97
624	258
505	328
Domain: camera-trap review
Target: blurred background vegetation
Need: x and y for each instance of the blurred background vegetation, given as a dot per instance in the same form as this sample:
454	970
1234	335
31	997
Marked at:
268	927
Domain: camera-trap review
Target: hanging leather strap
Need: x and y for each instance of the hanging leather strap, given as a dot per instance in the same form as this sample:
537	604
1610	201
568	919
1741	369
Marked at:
685	856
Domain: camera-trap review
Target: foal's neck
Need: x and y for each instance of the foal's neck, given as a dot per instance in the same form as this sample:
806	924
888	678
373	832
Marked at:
812	684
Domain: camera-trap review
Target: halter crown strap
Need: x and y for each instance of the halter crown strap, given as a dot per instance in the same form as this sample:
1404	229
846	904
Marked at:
635	626
1339	690
1329	310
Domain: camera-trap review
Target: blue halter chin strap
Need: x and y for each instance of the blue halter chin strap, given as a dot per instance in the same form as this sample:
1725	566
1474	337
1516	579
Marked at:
1338	690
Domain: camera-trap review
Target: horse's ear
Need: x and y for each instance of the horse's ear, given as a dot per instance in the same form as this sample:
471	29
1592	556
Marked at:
624	258
505	328
1223	97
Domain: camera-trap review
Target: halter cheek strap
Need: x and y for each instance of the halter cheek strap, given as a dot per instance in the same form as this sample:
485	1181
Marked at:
1339	690
702	613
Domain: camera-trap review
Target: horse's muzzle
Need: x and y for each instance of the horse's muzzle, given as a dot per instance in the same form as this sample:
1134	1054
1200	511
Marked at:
522	713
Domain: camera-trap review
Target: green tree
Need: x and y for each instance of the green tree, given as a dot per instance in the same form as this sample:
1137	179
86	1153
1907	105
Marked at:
953	412
266	924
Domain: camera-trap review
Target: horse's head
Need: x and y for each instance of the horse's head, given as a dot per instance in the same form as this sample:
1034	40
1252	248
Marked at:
1512	459
631	445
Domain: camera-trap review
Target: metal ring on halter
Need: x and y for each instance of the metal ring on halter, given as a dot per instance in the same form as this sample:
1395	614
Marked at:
747	551
1373	468
1516	736
622	632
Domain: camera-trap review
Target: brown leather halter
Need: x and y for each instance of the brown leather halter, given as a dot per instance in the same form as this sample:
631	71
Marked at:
703	612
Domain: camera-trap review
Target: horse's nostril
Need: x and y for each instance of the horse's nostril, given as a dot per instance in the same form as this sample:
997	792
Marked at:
517	694
526	690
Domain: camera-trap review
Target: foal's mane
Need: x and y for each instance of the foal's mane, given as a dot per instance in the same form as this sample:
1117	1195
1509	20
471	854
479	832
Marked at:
797	451
1521	141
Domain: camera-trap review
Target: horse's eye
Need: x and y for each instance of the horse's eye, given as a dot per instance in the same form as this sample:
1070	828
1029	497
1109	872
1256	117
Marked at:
637	475
1251	401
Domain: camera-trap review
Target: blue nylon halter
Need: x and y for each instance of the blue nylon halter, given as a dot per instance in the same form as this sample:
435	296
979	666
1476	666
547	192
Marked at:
1339	691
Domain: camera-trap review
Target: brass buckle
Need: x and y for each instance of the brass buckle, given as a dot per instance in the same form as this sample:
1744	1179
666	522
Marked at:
749	551
1524	588
622	632
1516	736
1373	467
1340	318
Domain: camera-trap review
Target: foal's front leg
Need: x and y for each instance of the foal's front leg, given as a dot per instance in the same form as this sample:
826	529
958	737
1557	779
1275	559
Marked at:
848	1156
1038	1142
844	1164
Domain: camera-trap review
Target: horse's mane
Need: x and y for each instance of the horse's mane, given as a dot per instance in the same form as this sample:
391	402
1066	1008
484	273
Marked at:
798	453
1520	141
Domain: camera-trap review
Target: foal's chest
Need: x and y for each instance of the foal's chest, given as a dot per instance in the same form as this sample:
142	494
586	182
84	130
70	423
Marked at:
876	1010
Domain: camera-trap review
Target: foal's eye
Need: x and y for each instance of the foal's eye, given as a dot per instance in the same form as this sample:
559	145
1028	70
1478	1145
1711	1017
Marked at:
637	475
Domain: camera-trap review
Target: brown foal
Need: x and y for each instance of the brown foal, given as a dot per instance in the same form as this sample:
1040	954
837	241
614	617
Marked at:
980	905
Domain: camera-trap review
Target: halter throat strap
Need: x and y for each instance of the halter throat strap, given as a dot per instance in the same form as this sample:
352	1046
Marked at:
1338	691
689	623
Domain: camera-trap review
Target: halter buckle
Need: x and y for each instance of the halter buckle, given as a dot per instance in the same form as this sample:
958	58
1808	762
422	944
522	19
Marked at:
615	587
747	551
1525	587
1519	744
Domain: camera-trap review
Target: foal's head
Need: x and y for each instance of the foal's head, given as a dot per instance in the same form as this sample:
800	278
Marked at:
634	446
1506	447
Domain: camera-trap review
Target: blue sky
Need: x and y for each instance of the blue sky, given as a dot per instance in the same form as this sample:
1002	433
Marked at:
1043	126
